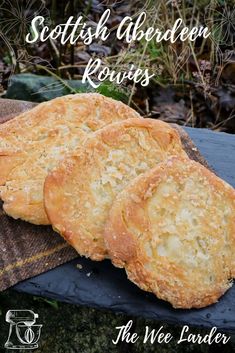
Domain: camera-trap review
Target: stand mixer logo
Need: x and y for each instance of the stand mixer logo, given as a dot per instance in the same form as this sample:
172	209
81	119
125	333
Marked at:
23	332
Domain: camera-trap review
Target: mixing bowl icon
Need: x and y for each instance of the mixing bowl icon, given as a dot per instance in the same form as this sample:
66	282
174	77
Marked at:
28	335
23	332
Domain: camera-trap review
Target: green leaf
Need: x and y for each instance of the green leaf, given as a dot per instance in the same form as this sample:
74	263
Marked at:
51	302
37	88
113	91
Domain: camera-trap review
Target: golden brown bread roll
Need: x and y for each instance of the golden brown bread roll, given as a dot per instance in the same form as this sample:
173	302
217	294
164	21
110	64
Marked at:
173	230
34	142
80	192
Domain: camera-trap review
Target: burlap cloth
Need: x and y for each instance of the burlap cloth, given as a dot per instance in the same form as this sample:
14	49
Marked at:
27	250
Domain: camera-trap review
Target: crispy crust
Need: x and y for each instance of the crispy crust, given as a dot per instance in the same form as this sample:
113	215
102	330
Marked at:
33	143
80	192
173	230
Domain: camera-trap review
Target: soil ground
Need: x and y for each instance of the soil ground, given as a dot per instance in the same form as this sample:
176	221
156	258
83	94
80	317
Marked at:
75	329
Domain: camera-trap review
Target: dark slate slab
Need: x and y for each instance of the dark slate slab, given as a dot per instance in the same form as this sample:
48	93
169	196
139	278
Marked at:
219	150
100	285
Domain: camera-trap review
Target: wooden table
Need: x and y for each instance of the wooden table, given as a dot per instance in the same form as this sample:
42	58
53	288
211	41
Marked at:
100	285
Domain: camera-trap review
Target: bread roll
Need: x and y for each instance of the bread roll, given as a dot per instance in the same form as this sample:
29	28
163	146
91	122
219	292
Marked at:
80	192
173	230
33	143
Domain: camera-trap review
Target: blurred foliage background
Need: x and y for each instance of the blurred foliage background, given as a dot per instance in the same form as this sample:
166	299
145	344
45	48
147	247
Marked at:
194	83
